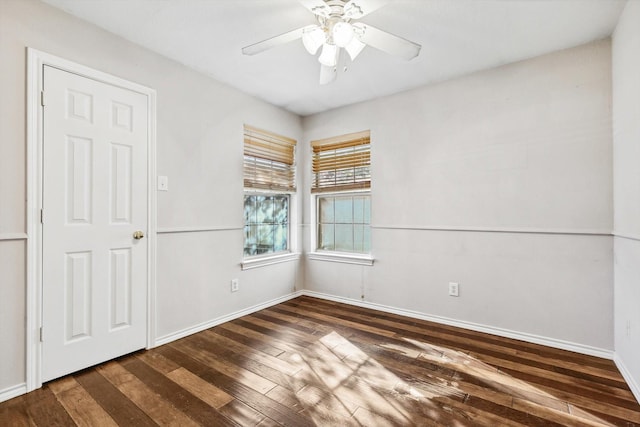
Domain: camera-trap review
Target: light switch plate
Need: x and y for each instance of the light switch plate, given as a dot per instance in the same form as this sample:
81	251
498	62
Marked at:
454	289
163	183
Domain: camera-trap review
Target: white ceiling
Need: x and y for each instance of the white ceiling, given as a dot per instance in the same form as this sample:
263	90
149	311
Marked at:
457	37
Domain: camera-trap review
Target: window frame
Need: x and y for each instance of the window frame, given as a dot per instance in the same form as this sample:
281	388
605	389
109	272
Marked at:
288	222
319	188
358	258
291	254
265	140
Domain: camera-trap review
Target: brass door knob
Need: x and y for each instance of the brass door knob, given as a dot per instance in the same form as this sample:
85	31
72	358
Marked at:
138	235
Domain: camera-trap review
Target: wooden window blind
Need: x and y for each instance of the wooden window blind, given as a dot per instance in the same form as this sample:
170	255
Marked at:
269	160
342	163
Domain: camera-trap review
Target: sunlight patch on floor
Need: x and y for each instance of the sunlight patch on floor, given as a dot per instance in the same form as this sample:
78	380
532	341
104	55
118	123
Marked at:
496	380
340	384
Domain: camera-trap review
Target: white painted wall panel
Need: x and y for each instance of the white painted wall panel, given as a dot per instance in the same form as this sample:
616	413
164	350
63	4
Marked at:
526	145
12	313
534	283
626	120
195	283
12	128
626	184
523	147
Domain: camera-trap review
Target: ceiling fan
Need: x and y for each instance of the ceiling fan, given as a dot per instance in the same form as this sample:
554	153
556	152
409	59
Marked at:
336	30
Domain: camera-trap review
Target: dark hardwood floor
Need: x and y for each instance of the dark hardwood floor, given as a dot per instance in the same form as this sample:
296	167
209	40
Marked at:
313	362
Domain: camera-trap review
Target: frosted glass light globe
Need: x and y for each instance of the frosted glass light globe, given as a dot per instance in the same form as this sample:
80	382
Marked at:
342	33
313	37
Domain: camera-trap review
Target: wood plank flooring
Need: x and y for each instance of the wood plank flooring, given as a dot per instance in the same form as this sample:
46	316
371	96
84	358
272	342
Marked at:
312	362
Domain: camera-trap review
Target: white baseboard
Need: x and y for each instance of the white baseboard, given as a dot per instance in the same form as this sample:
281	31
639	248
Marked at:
506	333
13	391
631	382
217	321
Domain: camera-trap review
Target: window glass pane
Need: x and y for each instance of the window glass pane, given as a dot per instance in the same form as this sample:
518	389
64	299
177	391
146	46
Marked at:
348	229
280	238
265	235
250	240
326	209
358	238
249	210
326	237
260	212
366	246
367	210
344	210
344	237
358	210
265	214
281	210
362	174
266	224
271	208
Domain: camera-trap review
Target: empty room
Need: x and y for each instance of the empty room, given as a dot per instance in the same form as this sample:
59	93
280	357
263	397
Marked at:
320	212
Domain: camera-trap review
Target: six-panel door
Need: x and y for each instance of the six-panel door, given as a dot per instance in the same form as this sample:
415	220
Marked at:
94	198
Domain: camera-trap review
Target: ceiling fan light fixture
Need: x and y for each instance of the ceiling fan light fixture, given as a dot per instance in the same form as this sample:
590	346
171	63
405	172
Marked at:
335	30
312	38
329	55
342	33
354	48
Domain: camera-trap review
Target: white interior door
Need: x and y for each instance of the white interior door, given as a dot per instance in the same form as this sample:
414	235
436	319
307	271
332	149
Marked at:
94	305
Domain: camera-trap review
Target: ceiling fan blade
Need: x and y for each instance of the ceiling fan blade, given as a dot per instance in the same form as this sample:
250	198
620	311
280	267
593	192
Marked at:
356	9
386	42
273	42
317	7
327	74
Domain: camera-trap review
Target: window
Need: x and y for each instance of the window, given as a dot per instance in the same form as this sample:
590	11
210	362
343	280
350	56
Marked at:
341	169
269	180
344	223
266	224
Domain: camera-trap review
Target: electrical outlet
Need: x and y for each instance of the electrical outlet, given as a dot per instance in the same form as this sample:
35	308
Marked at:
235	285
453	289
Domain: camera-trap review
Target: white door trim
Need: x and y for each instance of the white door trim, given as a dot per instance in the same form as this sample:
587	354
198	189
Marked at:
36	60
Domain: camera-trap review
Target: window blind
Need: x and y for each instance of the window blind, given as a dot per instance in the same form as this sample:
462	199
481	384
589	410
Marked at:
269	160
342	163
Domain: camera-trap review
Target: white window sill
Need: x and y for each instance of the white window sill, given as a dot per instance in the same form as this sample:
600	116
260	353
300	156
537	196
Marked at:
263	261
345	258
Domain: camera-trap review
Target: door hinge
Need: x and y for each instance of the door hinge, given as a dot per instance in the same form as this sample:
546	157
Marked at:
41	340
42	98
41	216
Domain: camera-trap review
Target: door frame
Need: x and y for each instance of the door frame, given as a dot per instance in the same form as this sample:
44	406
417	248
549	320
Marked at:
36	60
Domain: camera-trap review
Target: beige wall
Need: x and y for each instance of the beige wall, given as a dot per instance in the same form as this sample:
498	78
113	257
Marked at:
626	188
199	147
519	154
